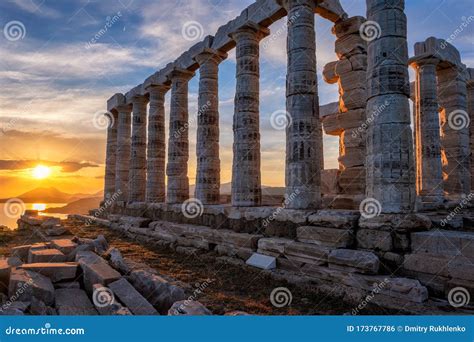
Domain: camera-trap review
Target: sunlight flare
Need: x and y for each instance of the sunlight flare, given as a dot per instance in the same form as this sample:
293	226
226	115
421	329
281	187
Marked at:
41	172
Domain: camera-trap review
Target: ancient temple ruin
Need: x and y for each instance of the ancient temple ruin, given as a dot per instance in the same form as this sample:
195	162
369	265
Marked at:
391	218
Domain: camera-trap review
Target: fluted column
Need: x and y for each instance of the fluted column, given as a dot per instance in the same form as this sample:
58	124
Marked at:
246	178
390	164
178	144
123	151
207	146
110	156
470	110
303	134
429	175
137	176
156	148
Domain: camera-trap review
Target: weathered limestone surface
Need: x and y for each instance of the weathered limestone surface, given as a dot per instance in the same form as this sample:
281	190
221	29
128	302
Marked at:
123	149
303	132
95	270
156	147
188	308
56	271
207	145
130	297
354	261
74	302
6	266
246	178
110	155
66	246
470	110
24	285
390	164
178	142
46	255
429	175
137	173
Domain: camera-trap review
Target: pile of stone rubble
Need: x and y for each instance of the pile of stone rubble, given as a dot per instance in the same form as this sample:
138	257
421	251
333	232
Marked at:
80	276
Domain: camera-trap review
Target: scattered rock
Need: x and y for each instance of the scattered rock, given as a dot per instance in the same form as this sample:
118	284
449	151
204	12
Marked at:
66	246
56	271
73	302
110	306
95	270
45	255
25	284
264	262
188	308
130	297
354	261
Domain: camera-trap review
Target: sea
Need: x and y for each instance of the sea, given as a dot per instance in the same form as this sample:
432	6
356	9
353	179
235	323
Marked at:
8	216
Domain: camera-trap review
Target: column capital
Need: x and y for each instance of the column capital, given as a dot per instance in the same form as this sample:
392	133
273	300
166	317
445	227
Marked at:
126	107
158	89
139	99
250	27
179	73
208	54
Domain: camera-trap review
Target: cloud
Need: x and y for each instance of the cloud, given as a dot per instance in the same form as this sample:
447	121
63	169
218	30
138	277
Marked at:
37	8
29	164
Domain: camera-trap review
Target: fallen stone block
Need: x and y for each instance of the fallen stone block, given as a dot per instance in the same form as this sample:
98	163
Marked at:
331	237
56	231
21	252
443	242
158	291
264	262
26	284
74	302
399	222
32	220
233	251
39	308
374	239
405	288
108	306
307	253
131	298
336	218
67	285
132	221
66	246
188	308
354	261
56	271
45	255
186	250
273	246
50	222
6	266
95	270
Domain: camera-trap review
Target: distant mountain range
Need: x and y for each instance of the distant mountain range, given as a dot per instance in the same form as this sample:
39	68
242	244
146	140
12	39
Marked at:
51	195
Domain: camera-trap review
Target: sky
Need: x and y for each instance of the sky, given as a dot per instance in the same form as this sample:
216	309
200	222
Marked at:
58	71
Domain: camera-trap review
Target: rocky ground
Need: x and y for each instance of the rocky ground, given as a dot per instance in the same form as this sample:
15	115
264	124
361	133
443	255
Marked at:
220	284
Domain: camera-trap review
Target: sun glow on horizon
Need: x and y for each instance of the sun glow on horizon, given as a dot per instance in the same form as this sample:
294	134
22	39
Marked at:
41	172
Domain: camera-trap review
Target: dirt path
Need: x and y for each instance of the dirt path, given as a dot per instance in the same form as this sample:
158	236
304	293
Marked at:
231	287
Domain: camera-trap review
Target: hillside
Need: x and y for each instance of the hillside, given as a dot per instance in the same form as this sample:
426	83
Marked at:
81	206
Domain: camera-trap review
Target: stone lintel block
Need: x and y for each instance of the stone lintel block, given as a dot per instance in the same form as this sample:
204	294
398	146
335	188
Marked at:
307	252
328	109
180	72
115	101
56	271
331	237
399	222
439	48
354	261
66	246
336	218
209	53
159	77
135	92
265	12
222	41
260	30
444	242
131	298
95	270
374	239
330	9
74	302
46	255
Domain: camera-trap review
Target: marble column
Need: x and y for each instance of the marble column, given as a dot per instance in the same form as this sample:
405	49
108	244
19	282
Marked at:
470	110
137	175
303	133
429	175
390	164
455	140
207	146
178	144
246	177
110	156
123	151
156	147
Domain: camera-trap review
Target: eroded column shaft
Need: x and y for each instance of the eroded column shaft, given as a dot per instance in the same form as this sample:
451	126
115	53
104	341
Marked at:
110	157
156	149
303	133
123	152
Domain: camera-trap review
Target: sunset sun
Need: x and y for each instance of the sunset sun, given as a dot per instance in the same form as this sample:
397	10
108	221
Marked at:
41	172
